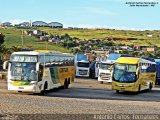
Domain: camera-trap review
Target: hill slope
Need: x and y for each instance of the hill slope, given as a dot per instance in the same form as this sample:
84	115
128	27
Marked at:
141	36
13	37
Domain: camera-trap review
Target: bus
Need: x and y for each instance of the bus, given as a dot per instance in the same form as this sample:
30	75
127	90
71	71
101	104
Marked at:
39	70
134	74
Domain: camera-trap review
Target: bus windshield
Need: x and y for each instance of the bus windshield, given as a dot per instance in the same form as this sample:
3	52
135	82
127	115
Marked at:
83	64
105	66
125	73
23	71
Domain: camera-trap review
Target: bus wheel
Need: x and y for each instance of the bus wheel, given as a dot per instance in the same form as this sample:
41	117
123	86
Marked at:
139	88
150	87
117	91
66	84
101	82
93	76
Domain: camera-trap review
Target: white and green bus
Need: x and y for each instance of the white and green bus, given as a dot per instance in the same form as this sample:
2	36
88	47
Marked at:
38	71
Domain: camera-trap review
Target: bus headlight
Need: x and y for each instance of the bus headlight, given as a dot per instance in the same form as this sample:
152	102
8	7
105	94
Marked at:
33	83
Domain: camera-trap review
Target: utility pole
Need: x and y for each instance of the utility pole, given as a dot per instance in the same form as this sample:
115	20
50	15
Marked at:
22	38
46	45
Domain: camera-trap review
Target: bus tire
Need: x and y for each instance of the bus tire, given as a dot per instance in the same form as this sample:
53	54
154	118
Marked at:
101	82
139	88
117	91
44	89
69	81
150	87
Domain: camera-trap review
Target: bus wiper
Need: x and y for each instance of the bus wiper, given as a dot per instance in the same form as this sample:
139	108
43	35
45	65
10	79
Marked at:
16	79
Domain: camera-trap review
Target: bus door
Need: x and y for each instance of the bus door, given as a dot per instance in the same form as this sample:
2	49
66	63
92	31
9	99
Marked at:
54	74
144	76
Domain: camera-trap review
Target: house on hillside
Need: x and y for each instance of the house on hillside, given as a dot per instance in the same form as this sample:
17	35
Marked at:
39	24
149	35
39	33
148	48
28	32
137	46
6	24
24	24
44	38
55	25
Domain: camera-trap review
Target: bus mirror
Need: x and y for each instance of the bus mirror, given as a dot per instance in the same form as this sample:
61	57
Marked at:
37	66
110	68
5	65
137	71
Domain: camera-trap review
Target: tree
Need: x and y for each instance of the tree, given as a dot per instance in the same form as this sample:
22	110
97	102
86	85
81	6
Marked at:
157	54
66	37
51	35
1	38
148	54
4	53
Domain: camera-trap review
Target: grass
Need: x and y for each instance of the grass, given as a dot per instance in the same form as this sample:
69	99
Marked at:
13	37
105	33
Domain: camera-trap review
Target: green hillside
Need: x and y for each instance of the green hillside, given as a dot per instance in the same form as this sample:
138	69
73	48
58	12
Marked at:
13	37
105	33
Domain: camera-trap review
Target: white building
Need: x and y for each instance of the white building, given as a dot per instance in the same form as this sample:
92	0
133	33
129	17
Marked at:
55	25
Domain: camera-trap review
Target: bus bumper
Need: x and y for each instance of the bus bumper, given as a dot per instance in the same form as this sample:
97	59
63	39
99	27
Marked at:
122	87
24	88
105	79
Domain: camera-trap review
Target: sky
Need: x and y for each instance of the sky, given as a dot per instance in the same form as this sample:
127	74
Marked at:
113	14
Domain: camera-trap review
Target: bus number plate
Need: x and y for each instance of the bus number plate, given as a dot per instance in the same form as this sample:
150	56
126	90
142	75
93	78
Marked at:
122	88
21	87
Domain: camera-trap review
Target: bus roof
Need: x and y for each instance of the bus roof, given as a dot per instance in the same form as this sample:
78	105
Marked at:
147	61
134	60
128	60
41	53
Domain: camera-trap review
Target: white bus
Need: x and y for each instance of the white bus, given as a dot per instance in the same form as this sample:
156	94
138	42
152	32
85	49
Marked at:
38	71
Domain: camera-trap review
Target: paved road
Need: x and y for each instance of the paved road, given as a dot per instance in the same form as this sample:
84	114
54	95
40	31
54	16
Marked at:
85	96
92	89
